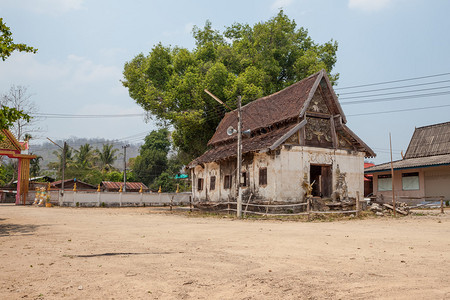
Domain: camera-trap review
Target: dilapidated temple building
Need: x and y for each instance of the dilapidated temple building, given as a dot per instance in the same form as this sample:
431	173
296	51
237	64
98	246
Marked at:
298	138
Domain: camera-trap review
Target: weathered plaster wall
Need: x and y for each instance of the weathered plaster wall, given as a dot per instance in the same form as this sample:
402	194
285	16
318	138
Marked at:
286	168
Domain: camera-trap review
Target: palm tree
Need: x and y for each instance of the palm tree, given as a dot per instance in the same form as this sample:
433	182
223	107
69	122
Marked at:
35	167
59	154
107	156
84	156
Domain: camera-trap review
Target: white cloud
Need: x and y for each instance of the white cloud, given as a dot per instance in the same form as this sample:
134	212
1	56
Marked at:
281	4
49	7
369	5
72	74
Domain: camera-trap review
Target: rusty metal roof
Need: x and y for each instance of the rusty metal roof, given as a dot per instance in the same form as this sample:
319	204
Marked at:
429	141
110	185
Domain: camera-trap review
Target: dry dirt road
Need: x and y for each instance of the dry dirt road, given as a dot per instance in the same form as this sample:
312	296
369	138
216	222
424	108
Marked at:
134	253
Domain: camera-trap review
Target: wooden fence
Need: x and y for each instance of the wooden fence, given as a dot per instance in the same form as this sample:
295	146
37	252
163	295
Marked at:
231	206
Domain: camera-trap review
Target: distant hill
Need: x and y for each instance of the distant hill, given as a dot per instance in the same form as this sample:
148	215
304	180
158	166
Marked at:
46	149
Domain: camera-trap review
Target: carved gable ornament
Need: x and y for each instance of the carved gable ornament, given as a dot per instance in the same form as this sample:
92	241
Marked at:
9	142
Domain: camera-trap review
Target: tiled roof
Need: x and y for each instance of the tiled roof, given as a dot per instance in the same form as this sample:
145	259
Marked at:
271	118
283	105
409	163
130	185
71	180
255	143
429	141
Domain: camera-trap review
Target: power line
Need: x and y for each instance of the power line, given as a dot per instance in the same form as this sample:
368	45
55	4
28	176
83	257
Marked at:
396	93
68	116
396	98
398	110
392	81
394	88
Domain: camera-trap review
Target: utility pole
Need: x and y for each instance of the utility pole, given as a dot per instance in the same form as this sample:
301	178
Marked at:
125	167
239	161
239	151
64	151
392	177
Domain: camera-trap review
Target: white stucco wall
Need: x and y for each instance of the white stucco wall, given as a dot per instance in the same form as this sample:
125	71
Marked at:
285	172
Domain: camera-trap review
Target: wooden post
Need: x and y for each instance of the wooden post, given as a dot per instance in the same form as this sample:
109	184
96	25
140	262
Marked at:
357	203
442	204
245	212
171	203
392	177
190	203
308	207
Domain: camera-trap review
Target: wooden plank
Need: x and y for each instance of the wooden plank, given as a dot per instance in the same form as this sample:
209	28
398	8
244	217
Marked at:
276	205
334	212
392	208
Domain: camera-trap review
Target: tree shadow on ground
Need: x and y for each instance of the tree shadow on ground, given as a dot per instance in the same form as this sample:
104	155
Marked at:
17	229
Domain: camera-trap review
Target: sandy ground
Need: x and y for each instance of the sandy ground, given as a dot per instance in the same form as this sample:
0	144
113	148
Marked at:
134	253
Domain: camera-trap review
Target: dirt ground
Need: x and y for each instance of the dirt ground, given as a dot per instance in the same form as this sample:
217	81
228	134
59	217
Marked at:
137	253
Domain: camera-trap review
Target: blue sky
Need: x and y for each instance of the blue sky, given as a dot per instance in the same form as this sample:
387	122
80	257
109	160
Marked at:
83	46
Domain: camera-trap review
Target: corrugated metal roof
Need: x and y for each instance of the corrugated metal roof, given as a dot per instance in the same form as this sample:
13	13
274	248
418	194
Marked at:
429	141
110	185
409	163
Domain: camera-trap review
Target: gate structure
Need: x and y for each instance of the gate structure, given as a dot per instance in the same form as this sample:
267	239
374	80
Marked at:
12	148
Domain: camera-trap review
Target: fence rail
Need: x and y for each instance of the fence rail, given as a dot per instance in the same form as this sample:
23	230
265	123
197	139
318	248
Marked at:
232	207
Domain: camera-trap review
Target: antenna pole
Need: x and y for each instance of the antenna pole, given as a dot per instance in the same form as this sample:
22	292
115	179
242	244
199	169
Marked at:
239	161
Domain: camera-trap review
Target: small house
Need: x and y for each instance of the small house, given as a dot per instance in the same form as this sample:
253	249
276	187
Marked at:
70	183
424	170
110	186
297	138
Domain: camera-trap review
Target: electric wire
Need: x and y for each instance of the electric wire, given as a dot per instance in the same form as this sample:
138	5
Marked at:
395	87
398	110
395	93
392	81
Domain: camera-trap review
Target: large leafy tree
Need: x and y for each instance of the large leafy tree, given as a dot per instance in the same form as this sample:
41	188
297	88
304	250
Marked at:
251	61
152	158
10	115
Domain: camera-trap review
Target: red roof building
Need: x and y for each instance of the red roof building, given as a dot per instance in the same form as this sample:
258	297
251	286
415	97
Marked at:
111	186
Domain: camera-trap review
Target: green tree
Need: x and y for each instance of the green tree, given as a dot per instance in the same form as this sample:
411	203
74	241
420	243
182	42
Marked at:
7	45
106	157
152	158
10	115
114	176
84	156
8	172
251	61
35	167
94	177
59	162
